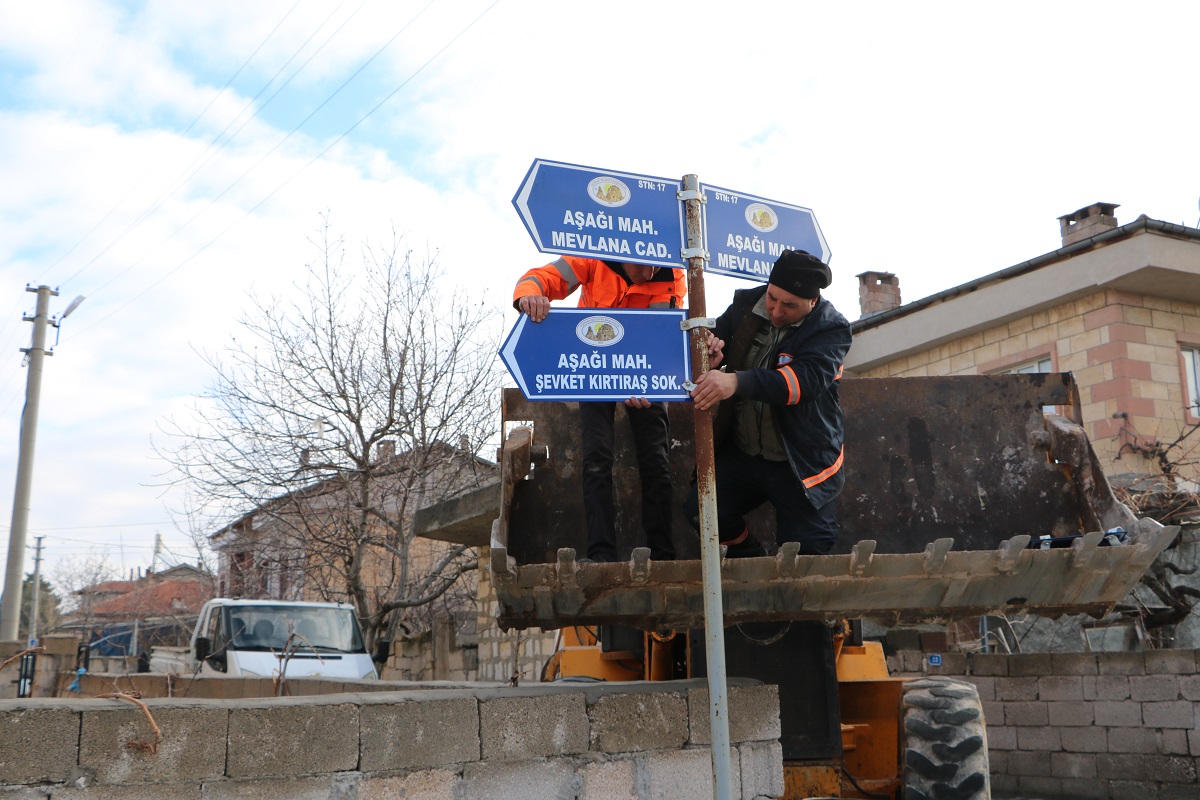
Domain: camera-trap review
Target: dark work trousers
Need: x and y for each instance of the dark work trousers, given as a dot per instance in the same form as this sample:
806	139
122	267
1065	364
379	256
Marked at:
744	483
650	436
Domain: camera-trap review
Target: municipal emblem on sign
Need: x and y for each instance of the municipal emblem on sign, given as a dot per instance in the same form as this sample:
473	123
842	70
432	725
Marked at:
762	217
600	331
608	191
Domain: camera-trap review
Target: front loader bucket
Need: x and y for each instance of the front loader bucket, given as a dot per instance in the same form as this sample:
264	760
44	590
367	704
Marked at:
949	480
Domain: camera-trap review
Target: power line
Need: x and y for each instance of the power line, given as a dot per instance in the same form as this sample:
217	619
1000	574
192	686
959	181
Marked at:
292	177
154	168
200	161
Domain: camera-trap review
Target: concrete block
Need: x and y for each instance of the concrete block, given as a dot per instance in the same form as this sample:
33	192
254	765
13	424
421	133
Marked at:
145	791
1173	769
1177	714
37	744
1040	786
1173	742
1175	662
1089	789
993	712
1108	687
1001	737
1132	740
554	779
1118	713
985	686
761	765
292	737
1121	663
419	733
1025	764
1004	783
281	788
1194	742
1073	664
191	747
1060	687
1125	767
608	780
1017	689
1073	766
1026	714
914	661
753	714
1030	665
626	723
1174	791
1132	789
1189	687
1086	740
428	784
1144	688
1048	740
989	664
679	774
519	728
952	664
1070	715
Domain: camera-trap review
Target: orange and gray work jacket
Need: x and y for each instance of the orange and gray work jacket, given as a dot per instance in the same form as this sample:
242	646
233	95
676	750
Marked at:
604	283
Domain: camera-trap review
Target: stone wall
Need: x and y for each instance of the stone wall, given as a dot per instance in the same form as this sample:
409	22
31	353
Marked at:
636	741
1085	725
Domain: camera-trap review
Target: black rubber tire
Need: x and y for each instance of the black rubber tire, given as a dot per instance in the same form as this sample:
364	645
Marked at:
945	750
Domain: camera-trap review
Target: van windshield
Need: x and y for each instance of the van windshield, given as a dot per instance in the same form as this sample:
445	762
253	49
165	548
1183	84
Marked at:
263	627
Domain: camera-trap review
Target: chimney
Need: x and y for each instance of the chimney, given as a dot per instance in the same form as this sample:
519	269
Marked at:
877	291
385	451
1087	222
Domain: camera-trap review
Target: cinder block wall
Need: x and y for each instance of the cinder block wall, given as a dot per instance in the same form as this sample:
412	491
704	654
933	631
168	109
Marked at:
1085	725
636	741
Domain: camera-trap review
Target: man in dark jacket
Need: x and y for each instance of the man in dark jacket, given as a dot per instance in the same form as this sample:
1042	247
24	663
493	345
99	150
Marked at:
780	348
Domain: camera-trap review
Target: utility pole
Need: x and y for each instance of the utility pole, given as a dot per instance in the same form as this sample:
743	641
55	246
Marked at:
37	592
10	609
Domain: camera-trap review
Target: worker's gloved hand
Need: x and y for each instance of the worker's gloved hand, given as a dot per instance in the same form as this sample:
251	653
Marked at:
536	306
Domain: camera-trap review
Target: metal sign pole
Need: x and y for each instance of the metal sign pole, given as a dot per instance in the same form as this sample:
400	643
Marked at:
710	547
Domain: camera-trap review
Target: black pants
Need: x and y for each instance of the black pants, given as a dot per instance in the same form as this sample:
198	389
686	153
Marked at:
651	432
744	483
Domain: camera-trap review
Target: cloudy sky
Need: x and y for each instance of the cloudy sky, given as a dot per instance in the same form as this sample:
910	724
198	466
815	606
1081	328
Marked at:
166	158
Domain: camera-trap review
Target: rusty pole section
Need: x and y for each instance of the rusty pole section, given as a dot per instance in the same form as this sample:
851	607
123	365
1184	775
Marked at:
710	548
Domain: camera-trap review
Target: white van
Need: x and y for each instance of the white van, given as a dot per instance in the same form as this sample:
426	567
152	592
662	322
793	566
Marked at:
269	638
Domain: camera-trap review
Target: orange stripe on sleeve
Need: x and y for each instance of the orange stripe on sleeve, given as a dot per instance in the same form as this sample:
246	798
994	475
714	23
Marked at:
793	384
825	474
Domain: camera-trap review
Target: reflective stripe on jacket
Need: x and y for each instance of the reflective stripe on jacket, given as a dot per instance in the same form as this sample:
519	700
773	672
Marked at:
603	286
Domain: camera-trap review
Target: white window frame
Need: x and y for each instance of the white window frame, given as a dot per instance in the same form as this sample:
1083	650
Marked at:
1191	369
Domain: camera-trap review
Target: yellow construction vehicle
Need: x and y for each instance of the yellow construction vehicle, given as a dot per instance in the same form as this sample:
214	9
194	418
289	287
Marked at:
949	481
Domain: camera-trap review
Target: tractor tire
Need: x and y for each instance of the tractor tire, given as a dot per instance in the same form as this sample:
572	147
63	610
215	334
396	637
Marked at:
945	743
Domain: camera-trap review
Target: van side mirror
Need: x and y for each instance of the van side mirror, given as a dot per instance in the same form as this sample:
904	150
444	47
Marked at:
203	648
383	649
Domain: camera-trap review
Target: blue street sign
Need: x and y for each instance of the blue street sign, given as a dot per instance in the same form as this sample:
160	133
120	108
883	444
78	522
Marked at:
744	234
581	211
600	354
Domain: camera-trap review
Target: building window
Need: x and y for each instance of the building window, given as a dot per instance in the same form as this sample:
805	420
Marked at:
1191	365
1037	365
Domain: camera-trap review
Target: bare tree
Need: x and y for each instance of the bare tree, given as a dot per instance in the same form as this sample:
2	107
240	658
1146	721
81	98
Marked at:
332	420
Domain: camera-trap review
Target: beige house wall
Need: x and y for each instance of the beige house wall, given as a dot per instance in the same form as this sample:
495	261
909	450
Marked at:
1124	350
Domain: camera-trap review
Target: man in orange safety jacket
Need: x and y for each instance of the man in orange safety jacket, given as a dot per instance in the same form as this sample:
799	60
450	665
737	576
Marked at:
614	284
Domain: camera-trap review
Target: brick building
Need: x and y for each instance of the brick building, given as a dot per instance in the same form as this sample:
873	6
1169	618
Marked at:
1117	305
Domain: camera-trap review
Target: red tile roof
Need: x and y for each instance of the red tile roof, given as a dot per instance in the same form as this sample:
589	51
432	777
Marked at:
158	599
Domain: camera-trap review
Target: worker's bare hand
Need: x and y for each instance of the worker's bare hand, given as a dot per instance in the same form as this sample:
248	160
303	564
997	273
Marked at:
716	349
637	402
536	306
712	387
